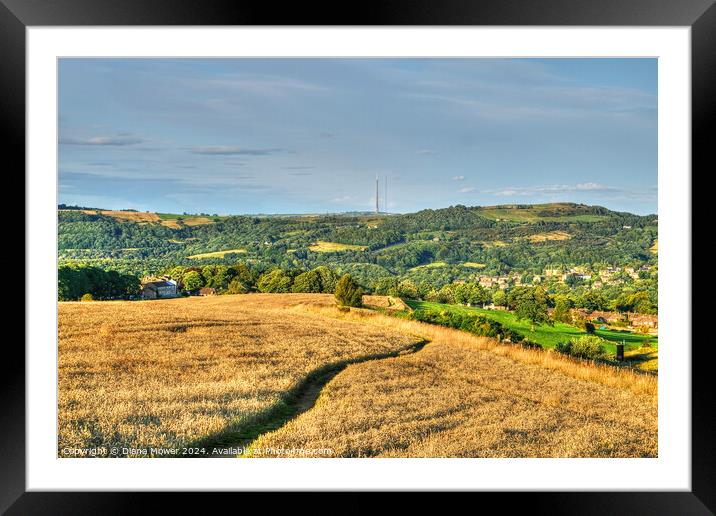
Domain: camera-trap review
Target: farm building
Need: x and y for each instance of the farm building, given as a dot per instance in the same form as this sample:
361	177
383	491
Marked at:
159	289
207	291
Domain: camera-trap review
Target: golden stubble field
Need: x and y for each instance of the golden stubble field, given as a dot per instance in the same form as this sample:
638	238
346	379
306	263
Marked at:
459	398
165	373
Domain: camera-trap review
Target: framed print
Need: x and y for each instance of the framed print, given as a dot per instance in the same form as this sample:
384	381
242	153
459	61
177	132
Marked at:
425	249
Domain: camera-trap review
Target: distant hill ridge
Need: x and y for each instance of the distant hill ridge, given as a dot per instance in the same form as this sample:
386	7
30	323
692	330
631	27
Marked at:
514	237
500	212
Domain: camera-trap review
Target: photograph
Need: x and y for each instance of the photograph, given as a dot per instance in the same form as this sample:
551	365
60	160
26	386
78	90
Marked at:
358	257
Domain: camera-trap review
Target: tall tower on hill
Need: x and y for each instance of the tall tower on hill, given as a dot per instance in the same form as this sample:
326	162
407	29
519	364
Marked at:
377	209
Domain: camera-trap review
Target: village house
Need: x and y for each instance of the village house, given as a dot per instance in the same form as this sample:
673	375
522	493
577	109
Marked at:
161	289
597	315
493	306
607	273
606	317
485	281
643	320
633	274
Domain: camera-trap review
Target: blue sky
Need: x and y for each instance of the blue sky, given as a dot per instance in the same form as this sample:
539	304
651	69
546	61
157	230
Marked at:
234	136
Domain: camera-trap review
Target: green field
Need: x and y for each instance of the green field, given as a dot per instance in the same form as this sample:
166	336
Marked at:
172	216
432	265
539	212
474	265
547	336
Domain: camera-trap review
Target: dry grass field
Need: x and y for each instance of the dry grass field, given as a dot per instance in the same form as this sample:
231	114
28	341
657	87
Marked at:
166	373
465	396
334	247
139	217
142	217
169	373
387	303
544	237
216	254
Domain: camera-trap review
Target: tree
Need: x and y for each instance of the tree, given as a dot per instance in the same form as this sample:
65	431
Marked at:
405	288
327	278
192	280
247	276
593	300
499	298
307	282
348	293
386	286
237	287
471	294
531	305
447	294
561	311
275	281
636	302
87	297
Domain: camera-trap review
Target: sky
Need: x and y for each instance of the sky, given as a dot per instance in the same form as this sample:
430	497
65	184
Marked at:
240	136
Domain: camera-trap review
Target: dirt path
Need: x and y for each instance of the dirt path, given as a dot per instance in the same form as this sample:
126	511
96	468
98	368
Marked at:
235	440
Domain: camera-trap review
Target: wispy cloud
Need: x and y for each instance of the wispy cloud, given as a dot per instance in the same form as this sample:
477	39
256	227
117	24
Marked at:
552	189
512	102
458	178
426	152
467	189
592	188
264	85
234	151
117	140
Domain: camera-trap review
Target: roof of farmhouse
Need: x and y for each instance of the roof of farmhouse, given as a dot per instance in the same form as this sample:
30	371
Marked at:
160	284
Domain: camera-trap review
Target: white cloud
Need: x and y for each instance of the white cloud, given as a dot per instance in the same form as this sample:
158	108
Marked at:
597	189
263	85
222	150
467	189
458	178
118	140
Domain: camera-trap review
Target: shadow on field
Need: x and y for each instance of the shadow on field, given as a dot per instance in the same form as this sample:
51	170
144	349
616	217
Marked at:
231	441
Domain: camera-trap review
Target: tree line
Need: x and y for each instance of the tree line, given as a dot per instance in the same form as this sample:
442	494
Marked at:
76	280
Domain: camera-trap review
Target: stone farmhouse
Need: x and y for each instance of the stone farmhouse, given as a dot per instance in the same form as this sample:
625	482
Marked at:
162	289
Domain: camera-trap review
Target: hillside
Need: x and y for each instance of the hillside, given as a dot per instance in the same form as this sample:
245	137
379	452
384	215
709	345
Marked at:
502	238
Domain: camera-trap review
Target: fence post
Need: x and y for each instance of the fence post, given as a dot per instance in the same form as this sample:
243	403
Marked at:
620	351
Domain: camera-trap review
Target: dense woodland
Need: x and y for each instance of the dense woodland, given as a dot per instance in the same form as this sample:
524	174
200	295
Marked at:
416	255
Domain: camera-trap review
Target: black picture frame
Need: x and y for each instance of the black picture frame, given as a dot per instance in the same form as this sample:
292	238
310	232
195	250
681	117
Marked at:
700	15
